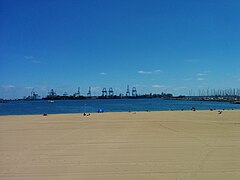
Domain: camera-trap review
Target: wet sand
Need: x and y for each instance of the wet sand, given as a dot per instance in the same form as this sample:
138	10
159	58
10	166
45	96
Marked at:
183	145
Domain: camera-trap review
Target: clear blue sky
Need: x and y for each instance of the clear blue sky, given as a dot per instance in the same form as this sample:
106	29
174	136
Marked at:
155	45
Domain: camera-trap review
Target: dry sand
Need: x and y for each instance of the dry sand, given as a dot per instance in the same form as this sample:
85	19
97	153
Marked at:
199	145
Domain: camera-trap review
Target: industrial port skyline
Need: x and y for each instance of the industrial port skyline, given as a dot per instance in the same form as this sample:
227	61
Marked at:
128	92
229	95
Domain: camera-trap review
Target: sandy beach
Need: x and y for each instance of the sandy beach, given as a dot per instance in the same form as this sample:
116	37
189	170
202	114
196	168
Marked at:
183	145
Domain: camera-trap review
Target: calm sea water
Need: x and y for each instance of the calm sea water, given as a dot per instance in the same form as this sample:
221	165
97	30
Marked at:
109	105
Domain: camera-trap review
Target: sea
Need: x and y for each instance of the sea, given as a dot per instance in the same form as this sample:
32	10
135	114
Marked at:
107	105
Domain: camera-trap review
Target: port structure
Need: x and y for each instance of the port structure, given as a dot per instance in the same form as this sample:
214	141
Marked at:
77	94
128	92
110	92
89	92
134	92
52	93
33	96
104	92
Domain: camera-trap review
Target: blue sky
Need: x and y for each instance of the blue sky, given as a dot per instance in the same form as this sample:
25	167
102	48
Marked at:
156	45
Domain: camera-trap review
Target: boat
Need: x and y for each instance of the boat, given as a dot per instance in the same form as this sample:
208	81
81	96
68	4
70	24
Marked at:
236	102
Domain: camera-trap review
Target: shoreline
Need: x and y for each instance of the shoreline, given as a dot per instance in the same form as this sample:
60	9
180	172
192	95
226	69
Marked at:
129	112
